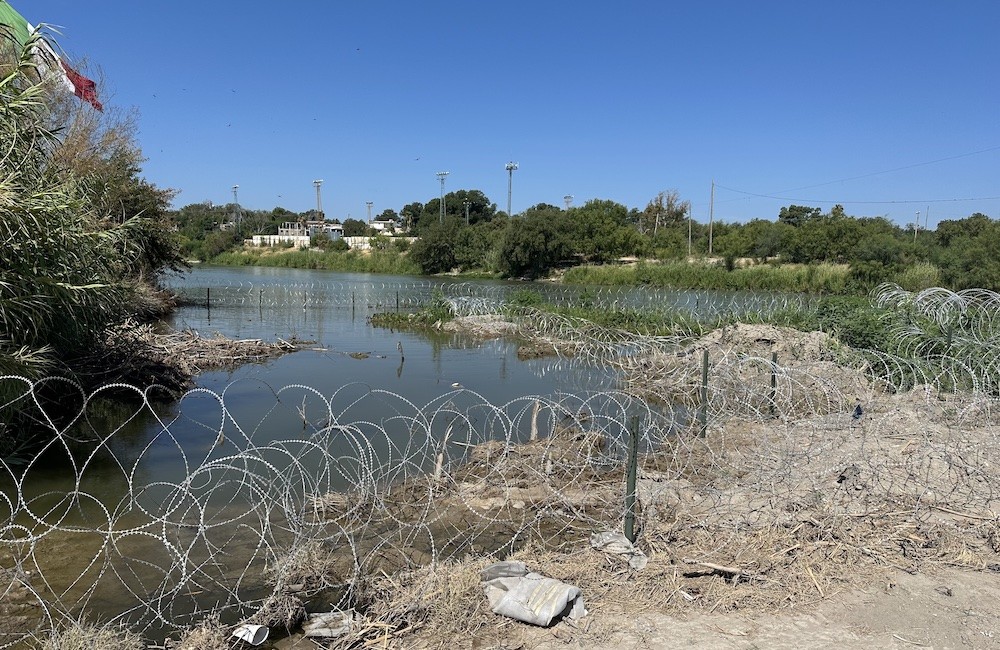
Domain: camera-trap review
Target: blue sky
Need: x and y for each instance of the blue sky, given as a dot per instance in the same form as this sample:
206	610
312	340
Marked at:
887	107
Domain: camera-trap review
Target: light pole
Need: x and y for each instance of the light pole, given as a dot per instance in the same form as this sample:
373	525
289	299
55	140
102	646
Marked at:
319	200
510	167
236	207
466	203
441	176
569	200
369	204
916	226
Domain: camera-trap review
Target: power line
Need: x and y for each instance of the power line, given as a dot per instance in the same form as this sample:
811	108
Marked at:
894	169
841	202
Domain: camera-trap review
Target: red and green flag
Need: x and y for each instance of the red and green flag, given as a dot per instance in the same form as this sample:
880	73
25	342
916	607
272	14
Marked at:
21	30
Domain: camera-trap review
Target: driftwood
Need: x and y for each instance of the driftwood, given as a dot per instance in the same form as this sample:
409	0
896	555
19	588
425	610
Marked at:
733	572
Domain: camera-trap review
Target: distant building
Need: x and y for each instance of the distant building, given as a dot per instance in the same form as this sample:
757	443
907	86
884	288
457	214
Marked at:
384	225
299	234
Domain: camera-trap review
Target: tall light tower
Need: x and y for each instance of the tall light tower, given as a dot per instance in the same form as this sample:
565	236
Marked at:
319	199
510	167
569	200
466	203
368	204
236	207
441	176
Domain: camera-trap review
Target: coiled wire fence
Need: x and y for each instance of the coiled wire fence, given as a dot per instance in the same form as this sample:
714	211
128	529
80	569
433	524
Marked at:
415	293
775	468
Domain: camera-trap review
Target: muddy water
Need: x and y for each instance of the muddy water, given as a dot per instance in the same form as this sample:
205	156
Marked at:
150	510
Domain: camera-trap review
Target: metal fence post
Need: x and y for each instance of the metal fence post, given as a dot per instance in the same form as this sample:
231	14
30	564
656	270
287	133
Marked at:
703	414
630	479
774	380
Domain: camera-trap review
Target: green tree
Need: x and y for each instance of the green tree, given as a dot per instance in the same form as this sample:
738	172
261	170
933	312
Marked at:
602	230
355	228
796	215
410	213
434	252
665	210
534	243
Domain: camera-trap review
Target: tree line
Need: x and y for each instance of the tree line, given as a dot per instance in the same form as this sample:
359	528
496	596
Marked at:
472	235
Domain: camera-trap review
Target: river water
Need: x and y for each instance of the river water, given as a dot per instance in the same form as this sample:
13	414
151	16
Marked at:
134	504
127	513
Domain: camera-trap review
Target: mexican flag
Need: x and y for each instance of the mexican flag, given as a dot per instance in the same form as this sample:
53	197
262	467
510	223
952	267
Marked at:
21	31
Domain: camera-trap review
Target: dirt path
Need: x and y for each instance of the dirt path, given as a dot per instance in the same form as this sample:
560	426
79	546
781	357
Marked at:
950	609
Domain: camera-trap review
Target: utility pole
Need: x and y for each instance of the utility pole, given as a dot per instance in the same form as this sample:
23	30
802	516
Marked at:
466	203
319	199
711	218
441	176
369	204
916	227
569	200
510	167
927	218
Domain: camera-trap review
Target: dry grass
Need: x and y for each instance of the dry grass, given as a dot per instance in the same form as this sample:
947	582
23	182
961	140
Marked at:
209	635
83	636
758	516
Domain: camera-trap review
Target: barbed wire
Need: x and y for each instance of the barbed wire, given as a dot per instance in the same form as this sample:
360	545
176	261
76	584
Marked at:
161	515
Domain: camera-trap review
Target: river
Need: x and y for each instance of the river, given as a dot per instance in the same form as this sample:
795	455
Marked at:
157	511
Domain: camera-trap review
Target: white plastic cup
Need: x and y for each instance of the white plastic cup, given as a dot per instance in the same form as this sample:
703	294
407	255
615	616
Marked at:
252	634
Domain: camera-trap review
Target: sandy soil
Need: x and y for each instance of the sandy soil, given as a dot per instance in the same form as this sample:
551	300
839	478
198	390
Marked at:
945	609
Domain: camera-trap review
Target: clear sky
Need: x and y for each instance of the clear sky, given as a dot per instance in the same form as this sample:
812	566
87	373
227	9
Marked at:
889	107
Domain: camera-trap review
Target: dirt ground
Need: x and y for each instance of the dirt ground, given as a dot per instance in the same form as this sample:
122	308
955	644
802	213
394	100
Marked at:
948	608
878	531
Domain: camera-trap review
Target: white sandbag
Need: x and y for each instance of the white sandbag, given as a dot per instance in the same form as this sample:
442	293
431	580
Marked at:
515	592
328	625
618	544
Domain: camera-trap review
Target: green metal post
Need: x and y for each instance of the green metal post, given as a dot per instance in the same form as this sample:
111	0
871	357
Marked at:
630	479
774	380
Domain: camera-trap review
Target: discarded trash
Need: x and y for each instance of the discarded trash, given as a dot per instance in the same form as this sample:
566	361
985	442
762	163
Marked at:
252	634
328	625
515	592
618	544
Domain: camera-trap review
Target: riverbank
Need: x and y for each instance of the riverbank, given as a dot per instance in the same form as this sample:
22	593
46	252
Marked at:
371	261
748	275
692	274
767	532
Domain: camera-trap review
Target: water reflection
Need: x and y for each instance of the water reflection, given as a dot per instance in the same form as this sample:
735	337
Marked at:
133	506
